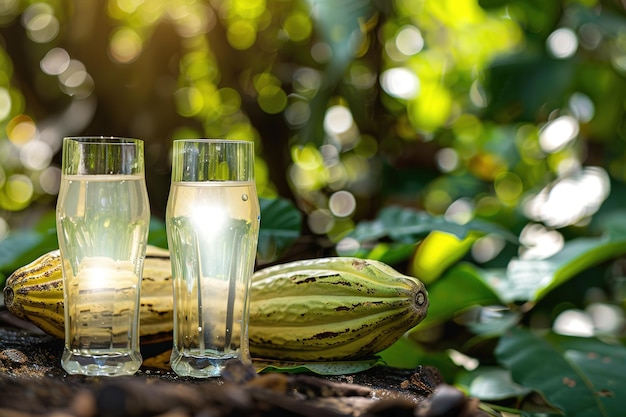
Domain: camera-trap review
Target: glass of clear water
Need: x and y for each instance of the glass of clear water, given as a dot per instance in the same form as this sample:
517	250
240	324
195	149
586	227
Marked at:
212	221
103	217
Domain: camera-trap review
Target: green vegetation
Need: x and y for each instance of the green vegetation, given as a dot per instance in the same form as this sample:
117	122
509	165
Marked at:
479	144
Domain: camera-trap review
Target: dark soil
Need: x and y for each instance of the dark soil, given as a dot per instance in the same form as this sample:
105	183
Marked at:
32	383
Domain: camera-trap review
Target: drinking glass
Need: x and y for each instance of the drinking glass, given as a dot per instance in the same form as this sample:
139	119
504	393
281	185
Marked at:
212	221
103	216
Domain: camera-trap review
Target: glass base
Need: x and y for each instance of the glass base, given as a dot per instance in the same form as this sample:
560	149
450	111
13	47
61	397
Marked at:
109	364
199	365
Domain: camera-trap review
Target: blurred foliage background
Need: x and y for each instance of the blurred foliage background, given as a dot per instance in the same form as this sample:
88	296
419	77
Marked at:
499	121
507	110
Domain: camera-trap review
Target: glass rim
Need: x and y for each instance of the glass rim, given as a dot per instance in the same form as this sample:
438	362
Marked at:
213	140
105	140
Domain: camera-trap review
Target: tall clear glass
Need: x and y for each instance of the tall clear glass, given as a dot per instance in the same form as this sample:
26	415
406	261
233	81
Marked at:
103	217
212	221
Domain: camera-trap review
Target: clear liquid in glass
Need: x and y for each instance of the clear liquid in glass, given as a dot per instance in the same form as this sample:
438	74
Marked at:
212	234
102	223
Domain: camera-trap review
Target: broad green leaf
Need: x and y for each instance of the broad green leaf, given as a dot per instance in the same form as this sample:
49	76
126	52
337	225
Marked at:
157	235
22	246
437	252
320	368
389	253
404	353
461	287
409	226
581	376
530	280
280	227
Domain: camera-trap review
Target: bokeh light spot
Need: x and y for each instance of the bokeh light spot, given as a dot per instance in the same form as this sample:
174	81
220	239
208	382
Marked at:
508	186
400	82
241	34
40	23
460	211
19	189
21	129
558	133
562	43
487	248
409	40
8	9
4	228
306	81
55	61
342	203
338	119
298	26
321	52
272	99
447	159
5	103
50	180
539	242
189	101
297	113
320	221
573	323
582	107
36	155
570	199
125	45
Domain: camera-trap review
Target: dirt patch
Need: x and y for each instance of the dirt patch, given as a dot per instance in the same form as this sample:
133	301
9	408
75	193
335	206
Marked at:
32	383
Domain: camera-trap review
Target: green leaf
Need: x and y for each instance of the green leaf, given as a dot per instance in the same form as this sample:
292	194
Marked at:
581	376
157	235
22	246
280	227
404	353
530	280
409	226
320	368
461	287
389	253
